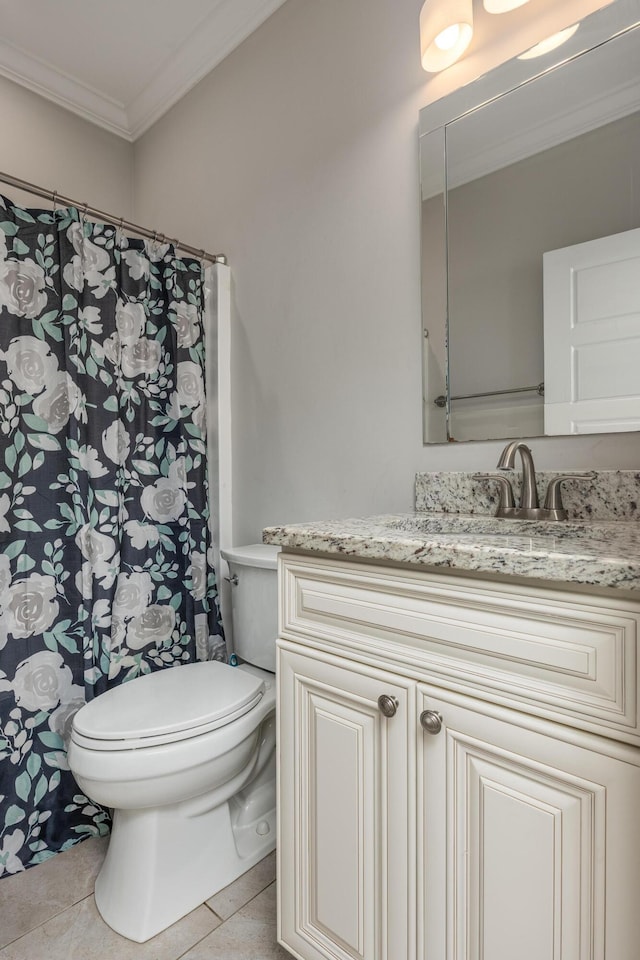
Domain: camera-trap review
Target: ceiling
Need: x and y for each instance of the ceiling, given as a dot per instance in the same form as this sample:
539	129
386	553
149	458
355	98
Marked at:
118	63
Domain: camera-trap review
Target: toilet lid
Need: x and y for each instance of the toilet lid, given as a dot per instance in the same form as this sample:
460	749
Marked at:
170	704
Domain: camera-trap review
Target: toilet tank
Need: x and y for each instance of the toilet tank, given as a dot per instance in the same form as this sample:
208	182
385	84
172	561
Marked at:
254	602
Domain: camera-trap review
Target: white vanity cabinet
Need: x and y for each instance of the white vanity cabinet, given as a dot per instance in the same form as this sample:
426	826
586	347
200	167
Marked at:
510	832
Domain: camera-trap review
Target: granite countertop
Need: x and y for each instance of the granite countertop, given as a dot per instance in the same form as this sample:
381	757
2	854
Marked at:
600	553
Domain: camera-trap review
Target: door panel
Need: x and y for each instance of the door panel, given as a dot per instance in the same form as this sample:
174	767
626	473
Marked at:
592	336
514	858
346	812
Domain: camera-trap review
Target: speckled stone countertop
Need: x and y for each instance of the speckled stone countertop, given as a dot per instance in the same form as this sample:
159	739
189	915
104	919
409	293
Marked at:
600	553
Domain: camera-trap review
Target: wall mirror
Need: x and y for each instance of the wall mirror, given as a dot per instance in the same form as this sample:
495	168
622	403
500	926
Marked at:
530	195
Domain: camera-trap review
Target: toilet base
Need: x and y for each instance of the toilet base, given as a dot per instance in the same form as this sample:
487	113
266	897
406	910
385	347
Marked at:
164	862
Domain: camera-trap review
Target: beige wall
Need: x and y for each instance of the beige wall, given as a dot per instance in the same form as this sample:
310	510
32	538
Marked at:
297	157
51	147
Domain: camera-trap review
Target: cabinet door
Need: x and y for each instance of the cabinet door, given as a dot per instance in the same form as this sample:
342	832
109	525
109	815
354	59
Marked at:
530	847
346	810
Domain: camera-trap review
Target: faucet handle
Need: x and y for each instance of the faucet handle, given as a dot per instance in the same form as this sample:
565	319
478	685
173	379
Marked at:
506	500
553	498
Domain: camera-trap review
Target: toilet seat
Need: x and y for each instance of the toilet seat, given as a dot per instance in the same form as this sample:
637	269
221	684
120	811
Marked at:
167	706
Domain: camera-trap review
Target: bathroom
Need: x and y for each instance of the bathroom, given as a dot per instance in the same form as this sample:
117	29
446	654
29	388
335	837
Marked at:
296	157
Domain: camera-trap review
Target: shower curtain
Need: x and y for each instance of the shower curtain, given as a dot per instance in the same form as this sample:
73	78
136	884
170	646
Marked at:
105	555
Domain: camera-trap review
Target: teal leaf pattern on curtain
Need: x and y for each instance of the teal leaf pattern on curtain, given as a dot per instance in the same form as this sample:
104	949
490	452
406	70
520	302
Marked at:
105	553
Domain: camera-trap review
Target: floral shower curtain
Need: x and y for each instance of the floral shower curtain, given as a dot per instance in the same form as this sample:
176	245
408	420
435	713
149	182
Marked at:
105	569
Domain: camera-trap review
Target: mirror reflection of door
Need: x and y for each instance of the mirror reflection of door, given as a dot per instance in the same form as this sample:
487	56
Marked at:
592	336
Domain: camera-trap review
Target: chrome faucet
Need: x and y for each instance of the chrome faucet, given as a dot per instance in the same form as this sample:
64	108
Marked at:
529	508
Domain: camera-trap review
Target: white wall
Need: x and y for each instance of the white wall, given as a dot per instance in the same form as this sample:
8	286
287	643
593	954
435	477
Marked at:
55	149
297	157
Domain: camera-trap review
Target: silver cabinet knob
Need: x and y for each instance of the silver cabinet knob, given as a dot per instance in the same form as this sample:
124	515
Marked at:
387	705
431	721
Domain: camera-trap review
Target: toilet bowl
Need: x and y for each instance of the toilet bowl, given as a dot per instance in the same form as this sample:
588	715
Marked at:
186	759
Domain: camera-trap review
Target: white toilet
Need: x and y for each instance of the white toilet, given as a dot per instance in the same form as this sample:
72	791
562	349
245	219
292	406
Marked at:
186	759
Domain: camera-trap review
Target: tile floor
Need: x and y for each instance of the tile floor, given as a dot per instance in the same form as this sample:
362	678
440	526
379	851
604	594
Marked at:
48	913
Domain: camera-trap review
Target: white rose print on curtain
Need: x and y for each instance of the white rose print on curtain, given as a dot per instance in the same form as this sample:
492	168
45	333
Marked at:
104	532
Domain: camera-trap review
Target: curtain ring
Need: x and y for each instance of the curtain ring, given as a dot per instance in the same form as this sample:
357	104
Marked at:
54	198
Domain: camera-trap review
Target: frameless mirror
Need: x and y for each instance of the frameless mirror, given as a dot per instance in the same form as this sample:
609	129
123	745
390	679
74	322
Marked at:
530	187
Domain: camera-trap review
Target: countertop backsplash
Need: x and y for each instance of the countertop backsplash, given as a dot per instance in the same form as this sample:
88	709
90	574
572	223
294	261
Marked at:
610	495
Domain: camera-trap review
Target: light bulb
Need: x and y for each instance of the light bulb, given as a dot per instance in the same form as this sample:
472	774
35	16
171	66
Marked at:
546	46
448	38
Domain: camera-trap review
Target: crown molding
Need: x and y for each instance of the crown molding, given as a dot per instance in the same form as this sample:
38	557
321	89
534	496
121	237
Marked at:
471	163
230	22
55	85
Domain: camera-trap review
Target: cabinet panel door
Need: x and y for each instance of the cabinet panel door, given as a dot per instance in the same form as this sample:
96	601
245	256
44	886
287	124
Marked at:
530	842
346	811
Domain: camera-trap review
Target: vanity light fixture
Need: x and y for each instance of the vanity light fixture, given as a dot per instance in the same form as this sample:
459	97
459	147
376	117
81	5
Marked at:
446	28
545	46
502	6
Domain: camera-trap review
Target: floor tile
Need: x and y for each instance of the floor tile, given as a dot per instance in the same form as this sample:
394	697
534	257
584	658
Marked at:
30	898
245	888
249	934
80	933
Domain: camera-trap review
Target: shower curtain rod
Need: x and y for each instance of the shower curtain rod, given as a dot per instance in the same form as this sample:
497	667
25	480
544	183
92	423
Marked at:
538	388
120	222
